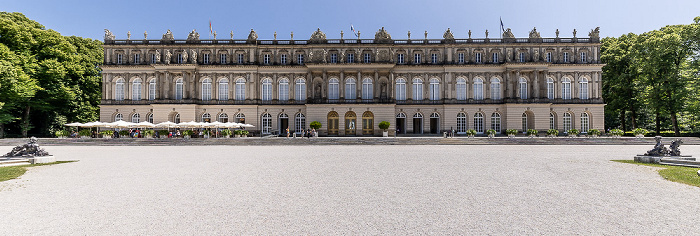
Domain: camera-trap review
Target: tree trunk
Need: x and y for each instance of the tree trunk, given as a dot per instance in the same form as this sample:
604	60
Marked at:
24	125
674	120
622	120
2	130
634	119
658	122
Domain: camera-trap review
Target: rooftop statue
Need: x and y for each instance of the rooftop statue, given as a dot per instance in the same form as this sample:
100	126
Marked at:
168	35
382	36
318	36
193	36
508	34
252	37
29	149
595	33
448	36
109	35
534	34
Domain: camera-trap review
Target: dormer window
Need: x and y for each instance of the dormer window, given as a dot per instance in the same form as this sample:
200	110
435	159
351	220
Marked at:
494	57
477	57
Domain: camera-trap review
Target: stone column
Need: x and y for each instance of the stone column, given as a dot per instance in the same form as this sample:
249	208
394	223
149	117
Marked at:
536	85
341	85
275	87
376	87
358	84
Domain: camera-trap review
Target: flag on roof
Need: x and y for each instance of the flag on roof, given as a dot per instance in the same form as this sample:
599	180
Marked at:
502	28
352	28
210	29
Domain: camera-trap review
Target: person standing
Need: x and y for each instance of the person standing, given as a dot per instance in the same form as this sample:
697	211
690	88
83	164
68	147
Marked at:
287	132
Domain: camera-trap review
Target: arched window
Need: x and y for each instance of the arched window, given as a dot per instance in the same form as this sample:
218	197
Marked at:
417	89
266	89
283	89
401	115
566	88
550	88
118	117
152	89
478	89
434	88
496	122
400	89
240	118
300	89
299	122
179	89
206	89
223	118
523	88
136	89
461	123
552	121
524	121
176	118
150	118
479	122
567	122
135	118
206	118
119	90
367	89
333	88
240	89
350	88
266	123
495	88
584	123
367	123
583	88
223	89
461	89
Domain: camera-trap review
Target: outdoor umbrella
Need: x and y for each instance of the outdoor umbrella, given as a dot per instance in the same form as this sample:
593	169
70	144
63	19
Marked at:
166	124
145	124
74	124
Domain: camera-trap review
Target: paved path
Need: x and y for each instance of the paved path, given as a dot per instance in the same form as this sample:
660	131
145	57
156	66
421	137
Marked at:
331	190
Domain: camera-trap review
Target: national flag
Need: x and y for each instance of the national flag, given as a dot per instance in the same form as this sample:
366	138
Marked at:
210	29
502	28
352	28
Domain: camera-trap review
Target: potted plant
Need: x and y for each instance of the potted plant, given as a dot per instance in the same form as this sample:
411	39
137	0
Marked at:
237	133
491	133
62	133
163	133
315	125
244	133
594	133
384	125
206	133
124	134
187	134
552	133
149	133
511	133
616	133
572	133
639	132
226	133
470	133
84	133
106	134
531	133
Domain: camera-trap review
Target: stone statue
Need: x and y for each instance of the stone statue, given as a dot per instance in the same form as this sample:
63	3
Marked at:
108	35
675	150
409	34
557	33
214	34
275	38
448	36
574	33
128	35
595	33
168	55
659	149
426	34
157	55
536	55
168	35
231	34
193	36
358	34
341	34
509	55
291	35
487	33
318	36
252	37
184	56
194	56
534	34
145	35
470	33
29	149
325	56
508	34
382	36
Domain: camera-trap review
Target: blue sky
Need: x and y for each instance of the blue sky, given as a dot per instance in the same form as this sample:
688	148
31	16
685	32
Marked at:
89	18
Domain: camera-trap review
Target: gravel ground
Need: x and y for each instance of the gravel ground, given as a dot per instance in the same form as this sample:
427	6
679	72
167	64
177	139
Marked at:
331	190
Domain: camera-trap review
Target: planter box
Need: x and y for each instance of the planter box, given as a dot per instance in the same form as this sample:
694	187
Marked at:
385	133
511	136
236	135
491	135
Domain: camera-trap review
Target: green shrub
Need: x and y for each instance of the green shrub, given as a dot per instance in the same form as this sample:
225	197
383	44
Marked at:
123	133
471	132
226	132
491	131
594	132
62	133
244	132
149	132
206	132
163	133
107	132
572	132
384	125
553	132
617	132
640	131
84	133
531	132
315	125
187	133
511	131
238	132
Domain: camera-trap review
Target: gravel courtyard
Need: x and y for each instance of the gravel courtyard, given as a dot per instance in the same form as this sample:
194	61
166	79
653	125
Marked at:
331	190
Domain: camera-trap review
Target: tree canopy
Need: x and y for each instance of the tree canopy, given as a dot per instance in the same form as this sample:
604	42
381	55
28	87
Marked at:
46	79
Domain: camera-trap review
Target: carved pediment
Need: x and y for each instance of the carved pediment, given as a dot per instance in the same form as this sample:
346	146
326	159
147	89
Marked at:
168	36
252	37
382	36
448	36
318	36
508	34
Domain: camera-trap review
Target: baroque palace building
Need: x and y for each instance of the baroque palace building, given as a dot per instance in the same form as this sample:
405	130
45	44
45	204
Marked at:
420	86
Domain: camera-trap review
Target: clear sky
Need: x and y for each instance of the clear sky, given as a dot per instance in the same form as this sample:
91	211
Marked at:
89	18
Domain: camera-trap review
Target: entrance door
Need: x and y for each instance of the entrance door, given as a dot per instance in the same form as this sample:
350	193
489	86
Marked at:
401	125
418	123
350	119
333	123
284	123
434	123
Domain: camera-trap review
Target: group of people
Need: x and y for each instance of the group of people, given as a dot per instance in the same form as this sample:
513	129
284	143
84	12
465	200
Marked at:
308	133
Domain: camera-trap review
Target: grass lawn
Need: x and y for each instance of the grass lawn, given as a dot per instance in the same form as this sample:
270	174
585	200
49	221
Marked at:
12	172
680	174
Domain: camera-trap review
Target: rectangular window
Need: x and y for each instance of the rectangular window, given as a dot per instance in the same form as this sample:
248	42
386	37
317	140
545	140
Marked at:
222	58
367	58
551	121
416	58
522	57
401	59
477	57
583	57
266	59
460	57
205	58
179	58
550	90
240	59
434	58
283	59
119	58
495	57
351	58
137	58
566	57
300	59
549	57
334	58
153	59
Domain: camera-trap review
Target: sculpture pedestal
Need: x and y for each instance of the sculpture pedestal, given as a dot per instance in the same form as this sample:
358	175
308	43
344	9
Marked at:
657	159
42	159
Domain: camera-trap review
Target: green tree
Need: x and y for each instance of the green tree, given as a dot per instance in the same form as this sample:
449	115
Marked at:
621	89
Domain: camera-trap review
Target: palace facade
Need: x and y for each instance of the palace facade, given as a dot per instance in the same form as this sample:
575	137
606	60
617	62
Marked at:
420	86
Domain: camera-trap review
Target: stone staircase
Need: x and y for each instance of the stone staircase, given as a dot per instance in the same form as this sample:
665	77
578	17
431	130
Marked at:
687	162
4	162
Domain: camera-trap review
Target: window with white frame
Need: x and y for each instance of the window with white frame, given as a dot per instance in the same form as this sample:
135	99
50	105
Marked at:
118	117
494	57
434	58
550	88
523	88
400	59
205	58
478	89
222	58
522	57
460	57
223	118
176	118
583	88
283	89
434	88
583	57
300	89
283	59
567	122
566	57
152	89
153	59
367	89
495	88
240	89
149	118
223	89
479	123
400	89
137	58
206	89
119	90
299	122
461	123
552	121
206	118
416	58
120	60
351	58
266	89
566	88
523	119
333	88
179	58
135	118
417	89
461	89
300	59
136	89
179	91
240	118
350	88
241	58
368	58
584	123
477	57
549	57
266	59
266	123
334	58
496	122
